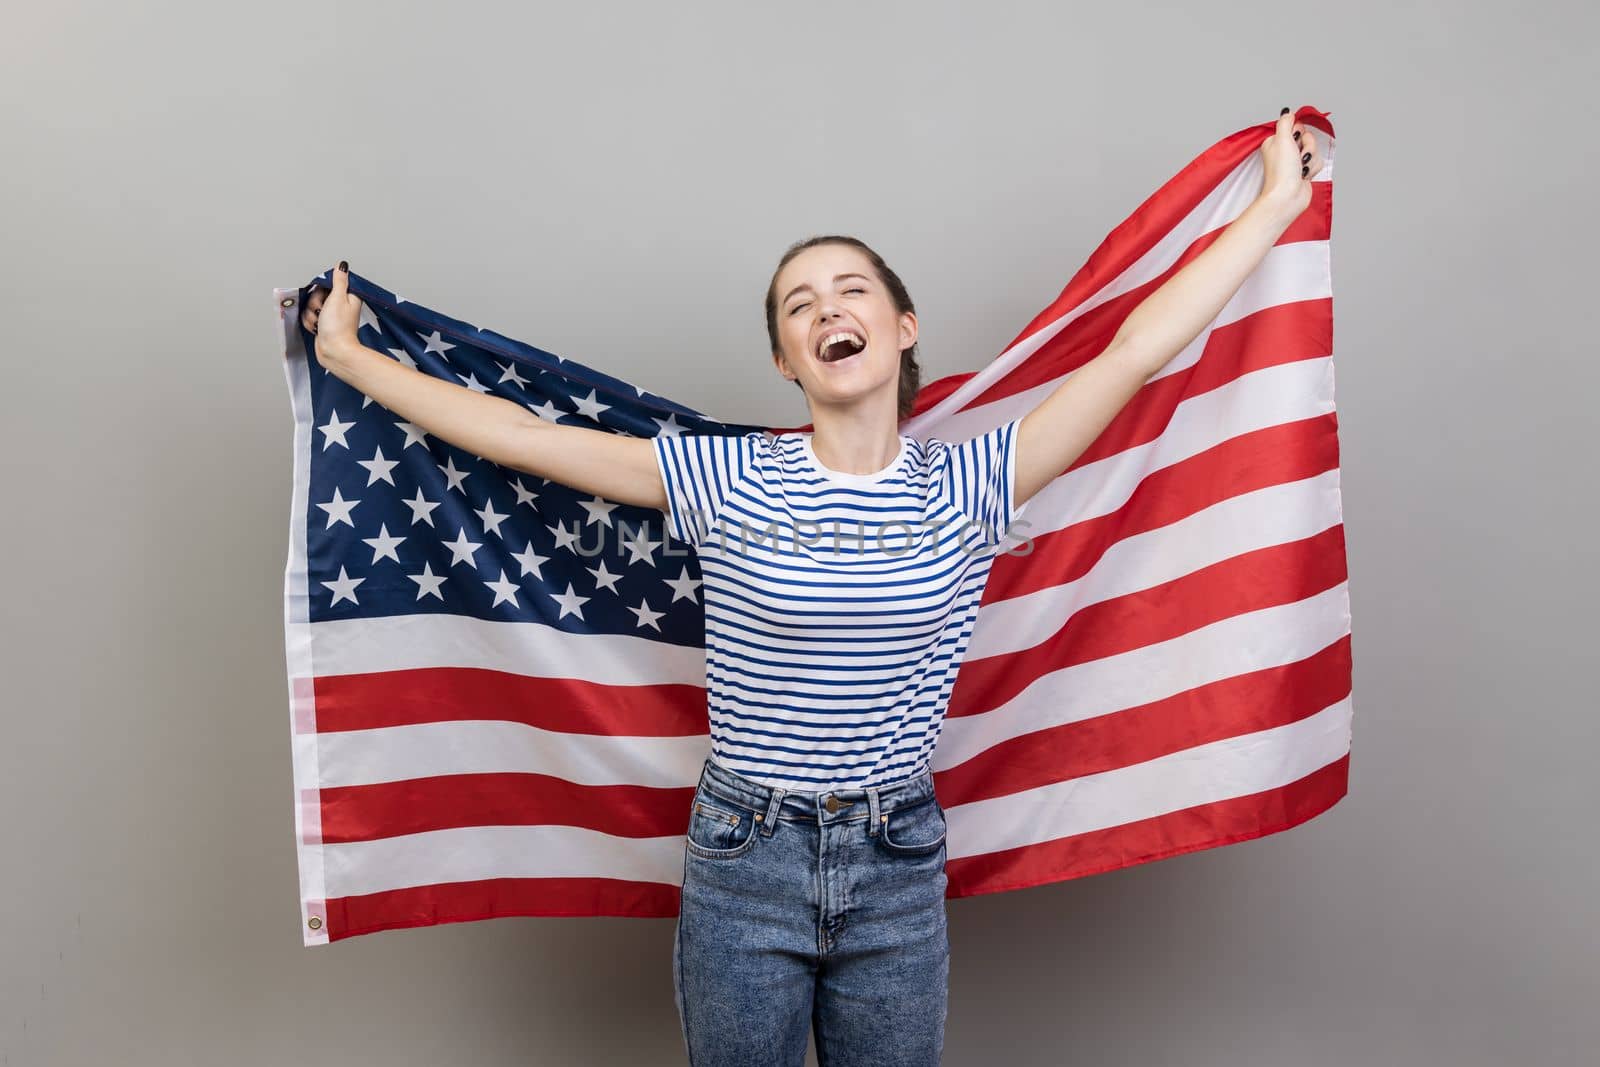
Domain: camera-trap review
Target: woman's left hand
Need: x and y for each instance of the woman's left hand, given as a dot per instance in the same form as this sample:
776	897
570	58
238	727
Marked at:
1291	158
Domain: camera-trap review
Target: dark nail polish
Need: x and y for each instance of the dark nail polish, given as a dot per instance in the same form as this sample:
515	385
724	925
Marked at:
1304	171
1306	158
1285	111
1297	137
344	265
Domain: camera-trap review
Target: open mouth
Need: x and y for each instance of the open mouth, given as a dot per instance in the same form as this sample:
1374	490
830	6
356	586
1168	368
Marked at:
839	346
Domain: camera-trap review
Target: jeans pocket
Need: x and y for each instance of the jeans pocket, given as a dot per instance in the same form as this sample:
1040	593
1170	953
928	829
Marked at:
916	830
720	829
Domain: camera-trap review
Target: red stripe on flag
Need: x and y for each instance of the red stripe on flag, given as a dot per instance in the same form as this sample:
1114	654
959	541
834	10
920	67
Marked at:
445	802
494	898
566	705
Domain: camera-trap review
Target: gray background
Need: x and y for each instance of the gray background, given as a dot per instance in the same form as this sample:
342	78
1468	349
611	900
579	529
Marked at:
615	184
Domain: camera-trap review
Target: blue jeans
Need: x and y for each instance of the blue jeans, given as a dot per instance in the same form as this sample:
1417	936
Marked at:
812	911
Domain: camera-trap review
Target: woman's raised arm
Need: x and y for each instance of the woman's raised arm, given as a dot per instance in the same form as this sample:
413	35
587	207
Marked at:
1066	422
608	465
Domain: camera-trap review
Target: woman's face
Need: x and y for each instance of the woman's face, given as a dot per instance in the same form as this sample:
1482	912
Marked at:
830	289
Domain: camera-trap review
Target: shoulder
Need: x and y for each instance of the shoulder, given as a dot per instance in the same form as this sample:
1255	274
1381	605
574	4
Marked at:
986	443
930	453
747	443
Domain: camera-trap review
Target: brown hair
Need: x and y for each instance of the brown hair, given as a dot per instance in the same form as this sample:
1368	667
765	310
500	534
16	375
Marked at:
910	373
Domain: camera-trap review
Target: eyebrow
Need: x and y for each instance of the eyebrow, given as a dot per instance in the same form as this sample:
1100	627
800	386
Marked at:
836	278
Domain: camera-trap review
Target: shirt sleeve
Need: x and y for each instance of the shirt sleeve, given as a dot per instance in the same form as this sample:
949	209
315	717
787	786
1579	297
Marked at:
980	479
699	471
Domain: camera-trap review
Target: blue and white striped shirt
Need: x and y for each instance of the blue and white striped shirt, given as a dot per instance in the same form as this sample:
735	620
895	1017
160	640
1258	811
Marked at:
838	606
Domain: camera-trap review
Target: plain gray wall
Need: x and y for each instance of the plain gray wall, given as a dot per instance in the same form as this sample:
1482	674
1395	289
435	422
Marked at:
615	184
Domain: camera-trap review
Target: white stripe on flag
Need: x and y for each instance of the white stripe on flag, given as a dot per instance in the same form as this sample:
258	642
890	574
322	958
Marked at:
424	750
404	642
480	852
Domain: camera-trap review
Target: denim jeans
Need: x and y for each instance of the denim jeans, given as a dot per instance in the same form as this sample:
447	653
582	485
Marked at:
814	912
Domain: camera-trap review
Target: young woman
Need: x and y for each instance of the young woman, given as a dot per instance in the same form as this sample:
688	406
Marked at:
842	571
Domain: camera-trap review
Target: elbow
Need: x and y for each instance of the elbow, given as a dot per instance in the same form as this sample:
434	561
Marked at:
1136	357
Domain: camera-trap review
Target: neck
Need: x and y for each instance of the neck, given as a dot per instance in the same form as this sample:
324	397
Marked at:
854	443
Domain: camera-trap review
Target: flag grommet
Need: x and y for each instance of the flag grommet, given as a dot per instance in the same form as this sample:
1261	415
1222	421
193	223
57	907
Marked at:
315	922
288	302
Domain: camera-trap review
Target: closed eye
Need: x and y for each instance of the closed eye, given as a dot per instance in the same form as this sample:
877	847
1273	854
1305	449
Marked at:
802	304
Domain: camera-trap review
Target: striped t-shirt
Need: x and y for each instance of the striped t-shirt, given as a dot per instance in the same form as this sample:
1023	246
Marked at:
838	606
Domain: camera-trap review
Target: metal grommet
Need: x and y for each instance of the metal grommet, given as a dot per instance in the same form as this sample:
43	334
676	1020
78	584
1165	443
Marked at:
314	922
759	816
883	818
288	302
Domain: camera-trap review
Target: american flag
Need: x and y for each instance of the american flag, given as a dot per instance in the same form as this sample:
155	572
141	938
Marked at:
497	683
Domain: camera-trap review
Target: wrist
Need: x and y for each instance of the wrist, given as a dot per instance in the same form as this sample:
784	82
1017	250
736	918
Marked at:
1276	211
339	350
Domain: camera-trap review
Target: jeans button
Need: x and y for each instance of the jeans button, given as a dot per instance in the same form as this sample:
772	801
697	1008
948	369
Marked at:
832	803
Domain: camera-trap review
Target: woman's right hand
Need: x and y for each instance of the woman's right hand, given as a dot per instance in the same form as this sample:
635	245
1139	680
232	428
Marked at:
607	464
338	318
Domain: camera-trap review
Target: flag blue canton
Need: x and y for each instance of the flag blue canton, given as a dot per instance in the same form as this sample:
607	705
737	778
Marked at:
401	523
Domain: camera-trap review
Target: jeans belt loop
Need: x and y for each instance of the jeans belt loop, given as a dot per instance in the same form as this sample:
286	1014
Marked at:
872	811
770	820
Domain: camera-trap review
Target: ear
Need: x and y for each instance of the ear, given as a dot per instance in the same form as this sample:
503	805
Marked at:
908	330
782	364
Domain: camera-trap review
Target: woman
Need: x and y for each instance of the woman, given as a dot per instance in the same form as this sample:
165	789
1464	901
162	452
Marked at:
842	571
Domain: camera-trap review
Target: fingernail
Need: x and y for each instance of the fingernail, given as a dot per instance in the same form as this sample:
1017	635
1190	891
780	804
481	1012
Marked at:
344	265
1297	137
1306	158
1285	111
1304	171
